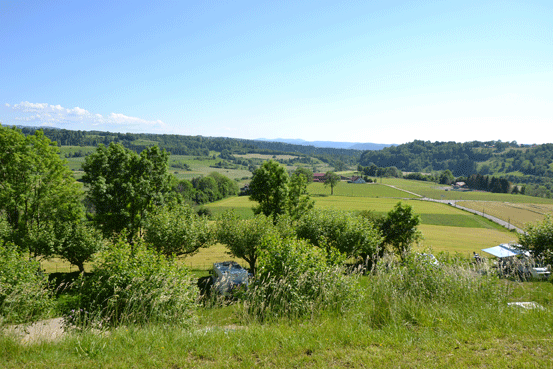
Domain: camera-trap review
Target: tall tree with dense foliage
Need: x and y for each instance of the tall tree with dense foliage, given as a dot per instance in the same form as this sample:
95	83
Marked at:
177	230
269	187
124	186
538	239
299	201
447	177
331	179
243	237
306	172
399	228
78	242
36	190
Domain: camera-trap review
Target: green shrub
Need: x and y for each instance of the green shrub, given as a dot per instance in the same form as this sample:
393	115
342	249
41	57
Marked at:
351	235
295	280
134	286
24	296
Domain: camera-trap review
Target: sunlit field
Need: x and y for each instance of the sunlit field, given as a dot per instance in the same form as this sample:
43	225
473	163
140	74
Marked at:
437	191
462	240
358	190
517	214
445	228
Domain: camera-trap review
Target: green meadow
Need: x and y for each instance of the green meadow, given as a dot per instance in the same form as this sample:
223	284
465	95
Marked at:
444	227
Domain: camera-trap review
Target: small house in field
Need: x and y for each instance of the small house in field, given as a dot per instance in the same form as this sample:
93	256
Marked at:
318	177
357	179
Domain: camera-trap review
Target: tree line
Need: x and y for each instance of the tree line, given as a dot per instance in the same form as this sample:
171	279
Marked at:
462	158
192	145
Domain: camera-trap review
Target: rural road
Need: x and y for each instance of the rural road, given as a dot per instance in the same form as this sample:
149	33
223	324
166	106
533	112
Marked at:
454	203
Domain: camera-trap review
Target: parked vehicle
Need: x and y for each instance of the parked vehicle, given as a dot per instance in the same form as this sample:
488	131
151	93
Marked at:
228	275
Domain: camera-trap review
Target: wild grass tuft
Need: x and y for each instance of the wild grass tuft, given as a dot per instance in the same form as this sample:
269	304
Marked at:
24	296
420	291
134	286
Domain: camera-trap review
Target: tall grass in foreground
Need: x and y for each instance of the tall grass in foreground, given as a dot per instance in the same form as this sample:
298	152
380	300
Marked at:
405	314
296	281
24	296
133	286
421	291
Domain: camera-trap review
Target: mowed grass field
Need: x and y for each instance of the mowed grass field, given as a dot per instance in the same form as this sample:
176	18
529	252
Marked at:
201	166
358	190
436	191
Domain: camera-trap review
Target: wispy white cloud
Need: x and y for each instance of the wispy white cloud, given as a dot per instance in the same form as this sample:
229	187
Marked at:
43	114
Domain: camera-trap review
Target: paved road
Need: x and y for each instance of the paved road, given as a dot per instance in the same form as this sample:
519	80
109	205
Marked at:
454	203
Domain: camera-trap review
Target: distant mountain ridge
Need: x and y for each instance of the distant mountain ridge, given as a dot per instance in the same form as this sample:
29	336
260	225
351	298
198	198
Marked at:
330	144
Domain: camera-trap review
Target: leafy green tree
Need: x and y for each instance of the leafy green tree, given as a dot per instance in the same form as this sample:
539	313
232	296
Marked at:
447	177
306	172
350	235
226	186
243	237
78	243
185	189
36	190
206	190
399	228
178	230
299	201
124	186
538	239
269	187
331	179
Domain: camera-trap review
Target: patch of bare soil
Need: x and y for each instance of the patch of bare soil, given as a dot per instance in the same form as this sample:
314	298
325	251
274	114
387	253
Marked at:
44	330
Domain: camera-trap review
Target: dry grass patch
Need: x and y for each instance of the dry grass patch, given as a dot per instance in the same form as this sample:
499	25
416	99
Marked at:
517	214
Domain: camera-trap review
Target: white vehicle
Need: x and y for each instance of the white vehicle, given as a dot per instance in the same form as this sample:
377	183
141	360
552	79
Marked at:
228	275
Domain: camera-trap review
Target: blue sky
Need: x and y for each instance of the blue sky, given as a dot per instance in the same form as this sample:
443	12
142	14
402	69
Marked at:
358	71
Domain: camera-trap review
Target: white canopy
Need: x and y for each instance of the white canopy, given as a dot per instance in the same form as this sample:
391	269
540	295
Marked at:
505	250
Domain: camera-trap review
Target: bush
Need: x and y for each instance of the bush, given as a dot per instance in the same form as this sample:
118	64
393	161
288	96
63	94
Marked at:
176	231
135	286
351	235
24	295
295	280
